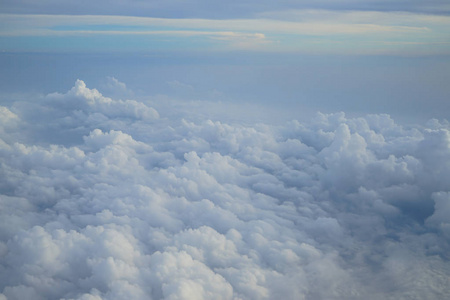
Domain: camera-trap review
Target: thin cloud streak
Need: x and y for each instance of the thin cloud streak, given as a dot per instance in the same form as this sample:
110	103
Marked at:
317	22
297	30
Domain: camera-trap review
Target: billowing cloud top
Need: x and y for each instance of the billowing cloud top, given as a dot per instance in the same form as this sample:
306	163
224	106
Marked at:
106	199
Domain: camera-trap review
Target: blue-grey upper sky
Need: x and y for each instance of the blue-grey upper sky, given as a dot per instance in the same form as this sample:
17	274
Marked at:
214	9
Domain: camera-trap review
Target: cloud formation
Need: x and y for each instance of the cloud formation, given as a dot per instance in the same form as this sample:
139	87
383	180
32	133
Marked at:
306	31
107	199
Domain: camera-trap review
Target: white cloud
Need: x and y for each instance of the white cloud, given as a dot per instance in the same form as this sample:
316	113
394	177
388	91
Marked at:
105	199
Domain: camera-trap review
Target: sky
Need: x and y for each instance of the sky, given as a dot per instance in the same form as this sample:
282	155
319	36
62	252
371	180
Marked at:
354	56
224	150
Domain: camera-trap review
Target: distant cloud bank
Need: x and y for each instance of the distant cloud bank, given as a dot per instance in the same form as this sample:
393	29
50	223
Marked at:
104	198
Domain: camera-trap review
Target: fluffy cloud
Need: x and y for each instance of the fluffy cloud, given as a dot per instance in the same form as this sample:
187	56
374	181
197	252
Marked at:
105	199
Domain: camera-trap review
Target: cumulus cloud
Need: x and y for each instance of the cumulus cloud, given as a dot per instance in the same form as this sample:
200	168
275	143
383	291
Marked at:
116	88
104	198
64	118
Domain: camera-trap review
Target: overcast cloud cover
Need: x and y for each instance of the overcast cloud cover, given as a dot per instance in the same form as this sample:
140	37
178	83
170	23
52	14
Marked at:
103	198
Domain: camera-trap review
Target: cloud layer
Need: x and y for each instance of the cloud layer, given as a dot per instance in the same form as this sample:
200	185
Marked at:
107	199
299	31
